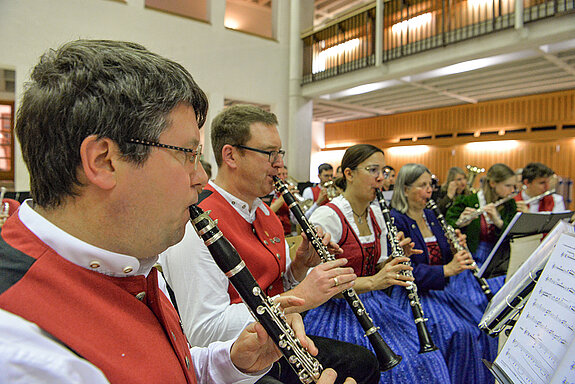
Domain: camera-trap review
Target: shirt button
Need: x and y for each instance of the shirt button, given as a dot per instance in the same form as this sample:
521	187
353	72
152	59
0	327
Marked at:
128	269
140	296
94	264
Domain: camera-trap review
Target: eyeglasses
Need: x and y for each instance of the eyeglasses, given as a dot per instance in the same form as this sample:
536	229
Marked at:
192	156
375	170
273	156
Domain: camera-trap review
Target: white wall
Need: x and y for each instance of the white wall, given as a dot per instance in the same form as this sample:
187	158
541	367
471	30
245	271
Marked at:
225	63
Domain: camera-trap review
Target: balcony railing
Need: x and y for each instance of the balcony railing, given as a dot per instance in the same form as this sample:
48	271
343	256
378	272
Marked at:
350	44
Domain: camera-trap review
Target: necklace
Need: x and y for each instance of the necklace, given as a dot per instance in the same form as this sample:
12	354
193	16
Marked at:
360	217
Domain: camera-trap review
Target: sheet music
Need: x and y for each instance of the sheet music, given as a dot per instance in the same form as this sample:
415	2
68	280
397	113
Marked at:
539	341
536	261
565	373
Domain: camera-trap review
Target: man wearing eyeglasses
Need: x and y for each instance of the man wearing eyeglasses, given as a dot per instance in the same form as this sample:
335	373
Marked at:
247	147
110	134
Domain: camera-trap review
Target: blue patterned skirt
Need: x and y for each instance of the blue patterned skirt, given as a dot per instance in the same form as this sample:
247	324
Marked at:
335	319
455	332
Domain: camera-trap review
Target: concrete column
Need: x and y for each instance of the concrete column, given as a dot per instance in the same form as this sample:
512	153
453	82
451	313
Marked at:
216	101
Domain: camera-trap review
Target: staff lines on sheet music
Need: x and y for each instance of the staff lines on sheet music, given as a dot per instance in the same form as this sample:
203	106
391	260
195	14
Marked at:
566	271
537	347
568	255
549	331
560	284
559	300
549	357
523	374
554	316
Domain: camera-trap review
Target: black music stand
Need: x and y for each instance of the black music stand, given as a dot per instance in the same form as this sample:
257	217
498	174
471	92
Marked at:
523	224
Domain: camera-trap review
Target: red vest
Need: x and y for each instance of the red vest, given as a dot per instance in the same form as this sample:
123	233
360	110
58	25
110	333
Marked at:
545	205
96	316
261	245
315	190
361	257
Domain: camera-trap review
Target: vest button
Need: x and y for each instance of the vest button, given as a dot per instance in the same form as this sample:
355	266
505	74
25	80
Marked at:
278	256
140	296
265	242
94	264
187	360
270	288
128	269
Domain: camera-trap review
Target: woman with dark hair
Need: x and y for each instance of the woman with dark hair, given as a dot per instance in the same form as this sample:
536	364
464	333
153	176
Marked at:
359	229
455	186
452	322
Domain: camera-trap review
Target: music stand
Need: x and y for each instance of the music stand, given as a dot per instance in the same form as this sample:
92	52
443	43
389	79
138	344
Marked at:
523	224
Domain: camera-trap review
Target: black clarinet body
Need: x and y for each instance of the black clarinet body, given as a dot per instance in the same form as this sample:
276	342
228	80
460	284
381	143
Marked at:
386	357
454	241
425	342
261	306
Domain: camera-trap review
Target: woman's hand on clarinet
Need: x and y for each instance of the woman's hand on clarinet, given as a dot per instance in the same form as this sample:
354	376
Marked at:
254	350
390	273
322	283
407	245
461	261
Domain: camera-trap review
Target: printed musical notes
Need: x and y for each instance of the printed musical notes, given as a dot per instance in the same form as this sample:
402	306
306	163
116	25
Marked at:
540	348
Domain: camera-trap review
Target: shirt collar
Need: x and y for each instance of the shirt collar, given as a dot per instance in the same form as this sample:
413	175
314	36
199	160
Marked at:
79	252
241	206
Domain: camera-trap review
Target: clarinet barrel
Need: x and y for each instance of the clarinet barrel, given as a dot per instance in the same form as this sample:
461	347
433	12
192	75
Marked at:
386	357
425	342
454	241
261	306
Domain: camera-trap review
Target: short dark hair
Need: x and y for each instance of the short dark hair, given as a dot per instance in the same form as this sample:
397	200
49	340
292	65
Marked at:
113	89
232	126
324	167
354	156
534	170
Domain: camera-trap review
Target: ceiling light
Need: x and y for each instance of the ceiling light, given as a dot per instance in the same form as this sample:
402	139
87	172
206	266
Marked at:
492	146
410	150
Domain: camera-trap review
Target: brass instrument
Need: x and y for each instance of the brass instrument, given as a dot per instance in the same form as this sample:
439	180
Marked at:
262	307
425	341
5	208
386	357
330	189
463	221
305	204
472	172
454	241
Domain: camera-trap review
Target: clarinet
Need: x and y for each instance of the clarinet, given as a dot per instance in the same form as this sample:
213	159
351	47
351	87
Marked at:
261	306
386	357
425	341
452	237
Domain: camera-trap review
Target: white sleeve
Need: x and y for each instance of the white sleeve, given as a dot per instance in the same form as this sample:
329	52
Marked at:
214	365
383	237
30	356
559	204
201	291
329	221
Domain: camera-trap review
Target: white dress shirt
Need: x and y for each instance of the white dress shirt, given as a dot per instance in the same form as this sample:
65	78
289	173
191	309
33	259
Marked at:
29	355
328	219
307	194
201	288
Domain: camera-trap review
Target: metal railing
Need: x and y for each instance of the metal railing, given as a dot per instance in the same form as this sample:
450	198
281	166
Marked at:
410	27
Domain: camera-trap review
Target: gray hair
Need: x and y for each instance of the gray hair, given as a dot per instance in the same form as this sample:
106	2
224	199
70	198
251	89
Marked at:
406	176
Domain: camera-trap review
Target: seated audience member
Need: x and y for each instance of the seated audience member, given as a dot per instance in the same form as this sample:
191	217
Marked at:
110	134
455	185
388	178
319	193
452	321
359	229
536	178
247	147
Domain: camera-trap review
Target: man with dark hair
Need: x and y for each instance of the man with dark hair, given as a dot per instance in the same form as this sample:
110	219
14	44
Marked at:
247	147
388	178
110	134
536	179
319	192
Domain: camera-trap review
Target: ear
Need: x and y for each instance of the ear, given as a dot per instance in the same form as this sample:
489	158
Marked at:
98	157
348	174
229	156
